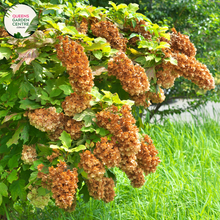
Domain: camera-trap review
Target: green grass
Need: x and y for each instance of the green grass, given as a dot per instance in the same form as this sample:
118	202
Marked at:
185	186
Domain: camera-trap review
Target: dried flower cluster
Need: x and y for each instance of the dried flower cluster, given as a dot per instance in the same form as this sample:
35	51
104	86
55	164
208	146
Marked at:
198	73
62	183
76	103
166	75
83	28
36	200
107	152
122	125
141	100
76	62
91	165
184	52
156	97
140	29
54	124
46	120
73	127
180	43
133	78
103	189
3	32
146	157
29	154
55	154
110	32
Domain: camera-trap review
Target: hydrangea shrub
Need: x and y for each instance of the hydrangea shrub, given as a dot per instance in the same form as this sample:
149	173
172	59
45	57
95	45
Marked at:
67	94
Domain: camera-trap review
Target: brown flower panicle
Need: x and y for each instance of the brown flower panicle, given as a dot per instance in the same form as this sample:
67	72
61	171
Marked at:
46	120
103	189
55	154
29	154
76	103
62	183
76	62
146	157
73	128
110	32
107	152
133	78
122	127
83	28
91	165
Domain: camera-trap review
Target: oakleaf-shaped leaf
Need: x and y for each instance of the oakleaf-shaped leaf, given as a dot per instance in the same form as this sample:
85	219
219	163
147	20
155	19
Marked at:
26	56
17	189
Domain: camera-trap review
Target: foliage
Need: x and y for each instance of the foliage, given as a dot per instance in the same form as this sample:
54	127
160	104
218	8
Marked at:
199	20
189	154
63	132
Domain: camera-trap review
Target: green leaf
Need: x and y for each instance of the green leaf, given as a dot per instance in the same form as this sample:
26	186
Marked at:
163	45
28	104
65	139
97	54
55	93
86	115
3	189
70	30
67	89
78	148
132	8
15	137
25	134
17	189
12	176
33	176
5	52
24	90
33	24
171	60
41	191
38	70
13	162
96	46
51	21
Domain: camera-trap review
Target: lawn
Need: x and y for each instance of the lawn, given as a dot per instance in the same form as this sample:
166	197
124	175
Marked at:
185	185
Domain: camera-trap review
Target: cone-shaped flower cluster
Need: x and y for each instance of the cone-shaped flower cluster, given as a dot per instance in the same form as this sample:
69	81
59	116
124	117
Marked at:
103	189
107	152
187	66
54	124
91	165
76	62
29	154
146	157
125	133
133	78
62	183
76	103
110	32
36	200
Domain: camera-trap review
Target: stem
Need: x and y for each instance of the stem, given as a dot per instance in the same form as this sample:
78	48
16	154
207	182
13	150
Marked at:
7	215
